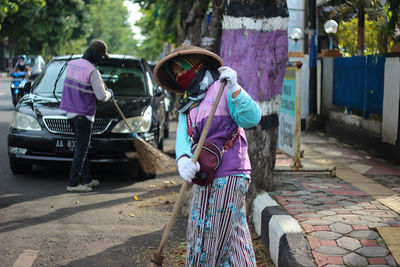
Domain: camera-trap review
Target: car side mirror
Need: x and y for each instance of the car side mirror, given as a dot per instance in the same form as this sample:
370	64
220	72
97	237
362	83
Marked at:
27	87
158	91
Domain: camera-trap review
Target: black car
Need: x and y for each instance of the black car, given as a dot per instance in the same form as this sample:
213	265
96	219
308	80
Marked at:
40	132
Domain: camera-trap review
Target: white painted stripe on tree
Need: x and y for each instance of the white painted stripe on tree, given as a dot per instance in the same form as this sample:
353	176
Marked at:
270	107
265	24
26	259
263	200
279	225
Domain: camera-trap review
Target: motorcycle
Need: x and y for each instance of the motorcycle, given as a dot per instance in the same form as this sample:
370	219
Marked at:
17	86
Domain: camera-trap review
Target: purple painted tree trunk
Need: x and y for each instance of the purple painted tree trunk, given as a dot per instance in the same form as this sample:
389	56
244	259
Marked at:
255	43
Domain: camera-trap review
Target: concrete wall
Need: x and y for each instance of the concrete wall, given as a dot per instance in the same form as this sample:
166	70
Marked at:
391	98
327	86
381	138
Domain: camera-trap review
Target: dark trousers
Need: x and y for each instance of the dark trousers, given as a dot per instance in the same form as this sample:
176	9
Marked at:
80	171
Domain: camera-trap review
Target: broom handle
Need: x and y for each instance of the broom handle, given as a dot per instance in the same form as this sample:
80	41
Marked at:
122	115
194	159
208	123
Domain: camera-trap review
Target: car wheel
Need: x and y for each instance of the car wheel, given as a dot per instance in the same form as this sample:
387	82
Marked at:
160	144
166	126
166	131
14	100
19	167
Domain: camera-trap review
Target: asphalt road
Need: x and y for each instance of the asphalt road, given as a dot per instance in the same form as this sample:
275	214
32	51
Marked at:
117	224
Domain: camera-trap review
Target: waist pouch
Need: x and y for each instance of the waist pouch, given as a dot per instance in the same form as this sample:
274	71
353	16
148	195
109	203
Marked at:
209	159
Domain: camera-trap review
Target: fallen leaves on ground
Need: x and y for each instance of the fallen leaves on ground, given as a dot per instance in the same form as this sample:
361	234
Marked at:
176	252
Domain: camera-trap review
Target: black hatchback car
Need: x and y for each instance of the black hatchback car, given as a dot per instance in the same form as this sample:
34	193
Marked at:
39	131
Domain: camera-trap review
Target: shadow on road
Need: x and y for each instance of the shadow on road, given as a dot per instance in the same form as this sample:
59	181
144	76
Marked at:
137	250
140	191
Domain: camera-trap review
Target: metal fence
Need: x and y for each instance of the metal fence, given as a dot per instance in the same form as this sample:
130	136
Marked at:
358	83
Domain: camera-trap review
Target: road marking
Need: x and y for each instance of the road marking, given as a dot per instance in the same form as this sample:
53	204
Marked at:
26	259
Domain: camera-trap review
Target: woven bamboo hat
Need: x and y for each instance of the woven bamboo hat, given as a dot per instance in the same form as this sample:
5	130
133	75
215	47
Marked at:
164	79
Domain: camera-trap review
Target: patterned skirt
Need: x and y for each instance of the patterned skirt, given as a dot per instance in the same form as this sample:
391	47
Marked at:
217	231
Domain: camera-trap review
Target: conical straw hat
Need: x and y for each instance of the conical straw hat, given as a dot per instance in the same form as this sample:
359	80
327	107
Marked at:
166	81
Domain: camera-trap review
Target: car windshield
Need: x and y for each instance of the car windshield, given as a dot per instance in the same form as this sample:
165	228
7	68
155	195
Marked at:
125	79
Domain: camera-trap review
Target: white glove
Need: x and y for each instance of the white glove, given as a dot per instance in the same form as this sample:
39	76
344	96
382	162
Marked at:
230	76
187	169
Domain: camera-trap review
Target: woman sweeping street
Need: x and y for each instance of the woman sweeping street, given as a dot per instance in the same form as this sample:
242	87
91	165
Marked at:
217	231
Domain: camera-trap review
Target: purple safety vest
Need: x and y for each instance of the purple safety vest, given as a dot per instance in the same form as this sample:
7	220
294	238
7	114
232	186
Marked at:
235	160
78	95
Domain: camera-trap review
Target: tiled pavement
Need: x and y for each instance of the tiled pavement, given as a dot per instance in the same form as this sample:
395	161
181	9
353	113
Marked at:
343	217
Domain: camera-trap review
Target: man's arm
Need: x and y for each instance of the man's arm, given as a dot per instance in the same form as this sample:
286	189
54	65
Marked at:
99	87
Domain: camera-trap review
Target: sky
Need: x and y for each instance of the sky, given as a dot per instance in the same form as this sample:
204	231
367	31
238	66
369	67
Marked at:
134	15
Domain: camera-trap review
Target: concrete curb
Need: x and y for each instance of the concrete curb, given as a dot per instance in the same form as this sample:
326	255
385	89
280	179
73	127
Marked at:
280	233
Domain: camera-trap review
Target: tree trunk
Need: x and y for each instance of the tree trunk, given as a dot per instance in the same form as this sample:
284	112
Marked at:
361	31
254	43
11	45
201	25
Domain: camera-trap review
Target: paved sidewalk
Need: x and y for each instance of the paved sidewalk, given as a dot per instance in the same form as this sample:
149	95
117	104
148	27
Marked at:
349	220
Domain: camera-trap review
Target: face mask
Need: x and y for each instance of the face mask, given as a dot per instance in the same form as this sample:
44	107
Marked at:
184	79
21	63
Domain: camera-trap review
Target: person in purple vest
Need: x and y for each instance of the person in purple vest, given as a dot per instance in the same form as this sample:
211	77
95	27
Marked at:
83	86
217	231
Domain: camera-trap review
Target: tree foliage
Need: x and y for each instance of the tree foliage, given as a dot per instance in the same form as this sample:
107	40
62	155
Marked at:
392	10
166	22
67	26
46	30
159	25
8	7
374	36
109	21
361	8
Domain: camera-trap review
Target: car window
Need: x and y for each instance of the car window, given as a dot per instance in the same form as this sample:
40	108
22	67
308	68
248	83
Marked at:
45	84
126	79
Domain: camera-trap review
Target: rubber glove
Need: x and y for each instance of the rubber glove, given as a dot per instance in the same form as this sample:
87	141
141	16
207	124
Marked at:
230	76
111	92
187	169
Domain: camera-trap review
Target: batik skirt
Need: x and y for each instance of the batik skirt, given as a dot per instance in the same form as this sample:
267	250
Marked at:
217	231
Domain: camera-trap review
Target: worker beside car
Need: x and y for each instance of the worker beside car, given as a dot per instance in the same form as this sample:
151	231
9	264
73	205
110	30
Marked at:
83	86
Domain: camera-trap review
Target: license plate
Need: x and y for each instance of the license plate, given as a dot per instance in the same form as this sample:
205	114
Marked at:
67	146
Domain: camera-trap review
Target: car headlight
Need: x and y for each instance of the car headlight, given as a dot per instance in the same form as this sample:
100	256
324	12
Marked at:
138	124
22	121
12	85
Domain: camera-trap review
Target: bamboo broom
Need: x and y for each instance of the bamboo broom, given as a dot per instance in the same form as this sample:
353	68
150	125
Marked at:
152	161
157	258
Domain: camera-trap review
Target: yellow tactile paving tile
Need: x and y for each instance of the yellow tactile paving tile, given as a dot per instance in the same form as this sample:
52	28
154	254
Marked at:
374	189
391	236
387	197
392	202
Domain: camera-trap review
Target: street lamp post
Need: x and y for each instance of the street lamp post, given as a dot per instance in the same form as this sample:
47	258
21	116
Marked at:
295	34
330	28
